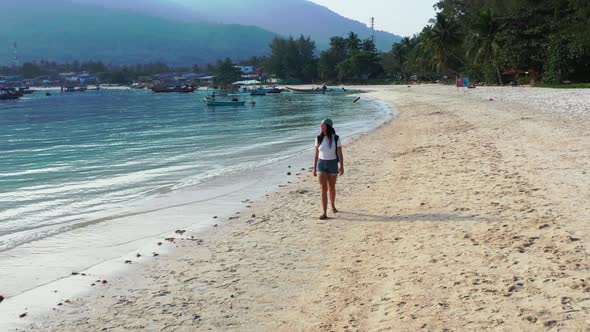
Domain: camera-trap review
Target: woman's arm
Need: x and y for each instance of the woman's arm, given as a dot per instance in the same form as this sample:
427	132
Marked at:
315	161
341	159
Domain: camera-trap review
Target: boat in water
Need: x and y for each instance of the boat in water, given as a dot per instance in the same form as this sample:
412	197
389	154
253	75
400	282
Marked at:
178	88
258	92
307	91
75	89
9	94
137	85
273	90
210	101
25	91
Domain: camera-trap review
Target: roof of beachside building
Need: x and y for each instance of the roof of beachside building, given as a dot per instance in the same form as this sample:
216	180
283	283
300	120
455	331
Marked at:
47	77
80	74
253	75
191	75
165	75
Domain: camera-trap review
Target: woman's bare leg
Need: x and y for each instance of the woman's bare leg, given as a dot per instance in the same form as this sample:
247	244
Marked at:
323	181
332	188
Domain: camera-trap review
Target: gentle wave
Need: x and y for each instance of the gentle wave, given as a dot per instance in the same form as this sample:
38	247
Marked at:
36	171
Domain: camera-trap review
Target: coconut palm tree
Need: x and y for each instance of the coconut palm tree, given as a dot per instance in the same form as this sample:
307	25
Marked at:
353	42
422	60
483	39
446	35
400	52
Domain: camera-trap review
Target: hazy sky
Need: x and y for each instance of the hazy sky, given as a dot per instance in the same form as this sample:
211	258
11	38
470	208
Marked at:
402	17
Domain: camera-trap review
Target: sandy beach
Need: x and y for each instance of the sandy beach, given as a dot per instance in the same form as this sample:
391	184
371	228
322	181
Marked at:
461	214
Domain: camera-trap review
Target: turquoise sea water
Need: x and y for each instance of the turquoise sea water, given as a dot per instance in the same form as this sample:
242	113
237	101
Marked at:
66	160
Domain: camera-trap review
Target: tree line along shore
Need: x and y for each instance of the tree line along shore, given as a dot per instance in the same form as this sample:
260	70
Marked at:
543	42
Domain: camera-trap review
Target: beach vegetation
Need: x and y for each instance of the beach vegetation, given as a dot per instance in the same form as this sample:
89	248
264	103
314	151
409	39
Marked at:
292	58
350	59
226	73
498	41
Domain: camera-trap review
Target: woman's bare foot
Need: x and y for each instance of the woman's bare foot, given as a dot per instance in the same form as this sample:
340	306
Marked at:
323	216
334	209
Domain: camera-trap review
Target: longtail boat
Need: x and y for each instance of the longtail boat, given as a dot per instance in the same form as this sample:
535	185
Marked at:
273	90
258	92
6	94
307	91
182	89
213	102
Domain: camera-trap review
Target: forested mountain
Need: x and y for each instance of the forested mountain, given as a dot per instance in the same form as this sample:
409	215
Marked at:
177	32
289	17
61	30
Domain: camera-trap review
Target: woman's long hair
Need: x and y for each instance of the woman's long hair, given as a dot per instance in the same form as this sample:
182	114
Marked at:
331	132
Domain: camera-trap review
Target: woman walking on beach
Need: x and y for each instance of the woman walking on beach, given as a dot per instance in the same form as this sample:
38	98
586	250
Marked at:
328	158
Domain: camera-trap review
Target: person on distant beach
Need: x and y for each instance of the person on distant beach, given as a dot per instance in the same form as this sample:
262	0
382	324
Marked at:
328	158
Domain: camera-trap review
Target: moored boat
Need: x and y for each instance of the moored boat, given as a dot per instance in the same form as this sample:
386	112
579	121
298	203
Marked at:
273	90
307	91
258	92
9	94
25	91
180	88
213	102
74	89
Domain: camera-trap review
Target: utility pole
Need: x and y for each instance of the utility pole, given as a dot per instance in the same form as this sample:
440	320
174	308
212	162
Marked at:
373	30
15	54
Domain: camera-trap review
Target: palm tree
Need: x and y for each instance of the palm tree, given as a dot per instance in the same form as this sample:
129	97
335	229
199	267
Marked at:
445	36
422	60
353	42
483	39
400	53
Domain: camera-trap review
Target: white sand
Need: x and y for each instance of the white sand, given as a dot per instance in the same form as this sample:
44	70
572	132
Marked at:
567	101
460	215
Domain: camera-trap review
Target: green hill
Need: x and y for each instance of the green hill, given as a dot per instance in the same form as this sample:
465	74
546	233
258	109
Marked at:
288	17
64	31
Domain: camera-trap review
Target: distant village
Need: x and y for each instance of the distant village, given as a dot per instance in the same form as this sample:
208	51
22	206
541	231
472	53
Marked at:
85	79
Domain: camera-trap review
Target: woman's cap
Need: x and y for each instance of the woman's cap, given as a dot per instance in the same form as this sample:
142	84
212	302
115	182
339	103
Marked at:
328	121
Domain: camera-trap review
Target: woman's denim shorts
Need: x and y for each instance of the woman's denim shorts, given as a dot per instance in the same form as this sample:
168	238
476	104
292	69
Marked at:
328	166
